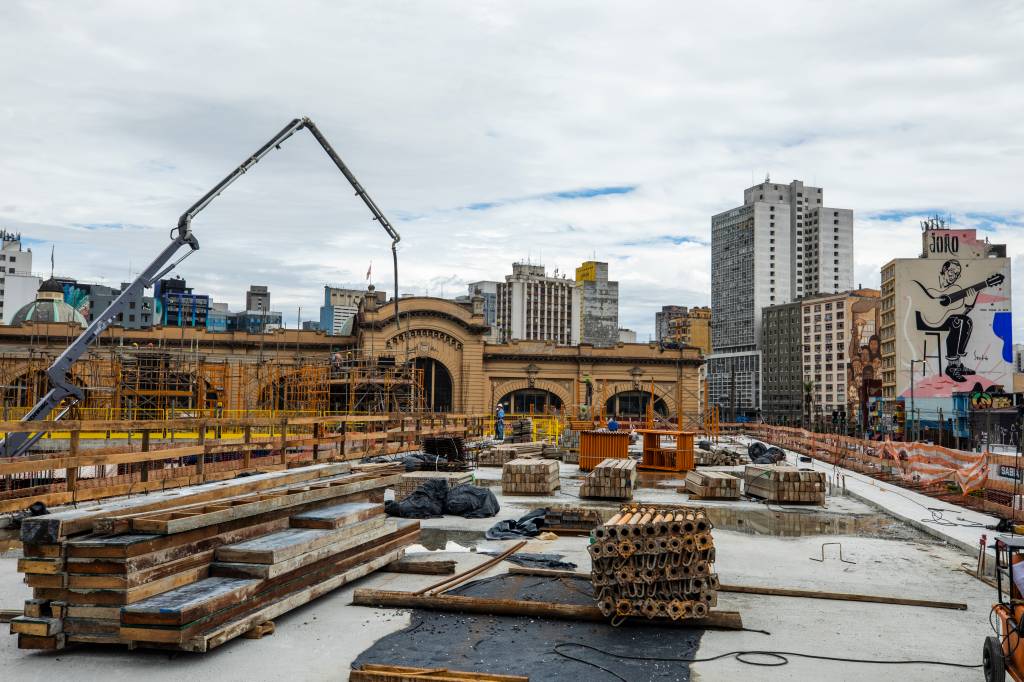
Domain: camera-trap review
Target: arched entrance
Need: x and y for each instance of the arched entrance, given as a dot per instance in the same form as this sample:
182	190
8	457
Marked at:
437	385
633	404
527	400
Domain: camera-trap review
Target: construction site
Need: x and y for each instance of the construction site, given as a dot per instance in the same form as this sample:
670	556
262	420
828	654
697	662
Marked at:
252	507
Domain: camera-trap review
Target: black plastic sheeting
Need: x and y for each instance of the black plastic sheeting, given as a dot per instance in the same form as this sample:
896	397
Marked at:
433	499
508	645
538	560
527	526
763	454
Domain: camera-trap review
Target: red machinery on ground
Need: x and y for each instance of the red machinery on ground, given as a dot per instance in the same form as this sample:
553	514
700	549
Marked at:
1003	653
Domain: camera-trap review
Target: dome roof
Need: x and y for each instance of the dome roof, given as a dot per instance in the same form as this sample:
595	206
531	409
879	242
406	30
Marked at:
51	286
43	310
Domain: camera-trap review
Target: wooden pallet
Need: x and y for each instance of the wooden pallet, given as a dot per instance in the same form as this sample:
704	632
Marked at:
711	485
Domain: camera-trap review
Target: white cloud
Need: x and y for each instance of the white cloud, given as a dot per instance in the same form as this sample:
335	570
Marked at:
122	113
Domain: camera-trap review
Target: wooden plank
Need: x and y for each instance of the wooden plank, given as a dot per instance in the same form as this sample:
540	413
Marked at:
336	515
189	603
86	597
285	544
422	567
841	596
715	620
371	672
51	528
267	571
40	627
238	627
166	526
102	612
41	566
6	615
51	643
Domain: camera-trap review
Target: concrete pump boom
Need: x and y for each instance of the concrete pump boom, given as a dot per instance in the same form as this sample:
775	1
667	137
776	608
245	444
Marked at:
59	373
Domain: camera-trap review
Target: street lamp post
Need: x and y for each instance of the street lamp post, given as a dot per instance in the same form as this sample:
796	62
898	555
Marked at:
913	414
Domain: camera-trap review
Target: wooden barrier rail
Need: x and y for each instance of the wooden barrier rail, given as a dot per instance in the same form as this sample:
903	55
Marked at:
182	452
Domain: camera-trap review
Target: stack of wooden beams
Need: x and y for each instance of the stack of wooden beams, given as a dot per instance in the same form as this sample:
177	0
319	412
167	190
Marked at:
654	563
211	562
414	479
571	520
718	457
530	477
613	479
784	484
711	485
499	455
522	430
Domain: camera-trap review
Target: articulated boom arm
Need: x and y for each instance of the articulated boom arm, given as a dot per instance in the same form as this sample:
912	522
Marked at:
59	373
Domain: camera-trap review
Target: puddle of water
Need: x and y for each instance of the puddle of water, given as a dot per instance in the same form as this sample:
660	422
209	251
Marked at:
9	542
438	539
449	546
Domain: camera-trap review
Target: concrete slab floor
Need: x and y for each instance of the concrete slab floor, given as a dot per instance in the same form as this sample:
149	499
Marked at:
320	640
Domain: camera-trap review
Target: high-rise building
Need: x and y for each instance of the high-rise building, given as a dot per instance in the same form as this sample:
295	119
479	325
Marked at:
18	286
782	378
599	298
489	291
782	244
627	336
338	312
946	325
257	298
690	327
535	307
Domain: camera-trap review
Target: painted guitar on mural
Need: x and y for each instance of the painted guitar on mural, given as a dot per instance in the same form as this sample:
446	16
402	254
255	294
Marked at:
947	309
946	302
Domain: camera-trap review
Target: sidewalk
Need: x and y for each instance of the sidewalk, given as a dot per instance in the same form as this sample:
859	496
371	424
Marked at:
908	506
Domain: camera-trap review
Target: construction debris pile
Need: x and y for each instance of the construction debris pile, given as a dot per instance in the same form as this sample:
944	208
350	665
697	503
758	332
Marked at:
784	484
613	479
655	563
193	568
530	477
452	448
711	485
499	455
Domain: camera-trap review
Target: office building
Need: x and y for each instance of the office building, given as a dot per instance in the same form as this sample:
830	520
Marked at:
18	286
94	300
781	348
339	310
599	298
535	307
663	320
627	336
489	292
257	298
177	305
690	327
254	321
946	324
782	244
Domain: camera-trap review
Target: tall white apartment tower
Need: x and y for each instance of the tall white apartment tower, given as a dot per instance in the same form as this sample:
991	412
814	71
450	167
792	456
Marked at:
781	245
17	284
535	307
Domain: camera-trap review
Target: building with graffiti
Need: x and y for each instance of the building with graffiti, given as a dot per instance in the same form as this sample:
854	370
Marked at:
945	326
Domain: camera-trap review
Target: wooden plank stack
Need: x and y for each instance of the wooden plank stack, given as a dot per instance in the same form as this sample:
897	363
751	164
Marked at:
656	563
521	430
192	568
612	479
784	484
571	520
711	485
499	455
414	479
530	477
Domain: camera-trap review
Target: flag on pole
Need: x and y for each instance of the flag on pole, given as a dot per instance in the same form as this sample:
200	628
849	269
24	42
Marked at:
369	270
51	259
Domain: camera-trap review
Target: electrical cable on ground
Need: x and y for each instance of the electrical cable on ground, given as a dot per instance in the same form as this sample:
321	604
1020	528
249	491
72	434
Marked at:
775	658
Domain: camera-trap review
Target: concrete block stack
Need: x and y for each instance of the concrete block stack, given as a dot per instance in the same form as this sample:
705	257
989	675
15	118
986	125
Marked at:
414	479
784	484
711	485
498	455
613	479
529	477
656	563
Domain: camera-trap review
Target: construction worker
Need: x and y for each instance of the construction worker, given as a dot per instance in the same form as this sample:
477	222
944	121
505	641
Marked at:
499	422
612	424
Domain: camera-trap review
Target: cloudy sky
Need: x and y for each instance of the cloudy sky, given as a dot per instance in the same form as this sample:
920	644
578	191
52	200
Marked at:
491	132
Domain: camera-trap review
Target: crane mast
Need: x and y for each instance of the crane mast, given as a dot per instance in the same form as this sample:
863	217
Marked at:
59	373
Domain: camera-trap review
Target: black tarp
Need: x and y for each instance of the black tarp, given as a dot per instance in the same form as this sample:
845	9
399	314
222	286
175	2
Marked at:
433	499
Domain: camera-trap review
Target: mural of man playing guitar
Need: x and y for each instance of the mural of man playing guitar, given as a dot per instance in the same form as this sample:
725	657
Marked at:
948	310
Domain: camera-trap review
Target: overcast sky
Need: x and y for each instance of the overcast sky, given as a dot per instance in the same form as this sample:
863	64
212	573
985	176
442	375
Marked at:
496	131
